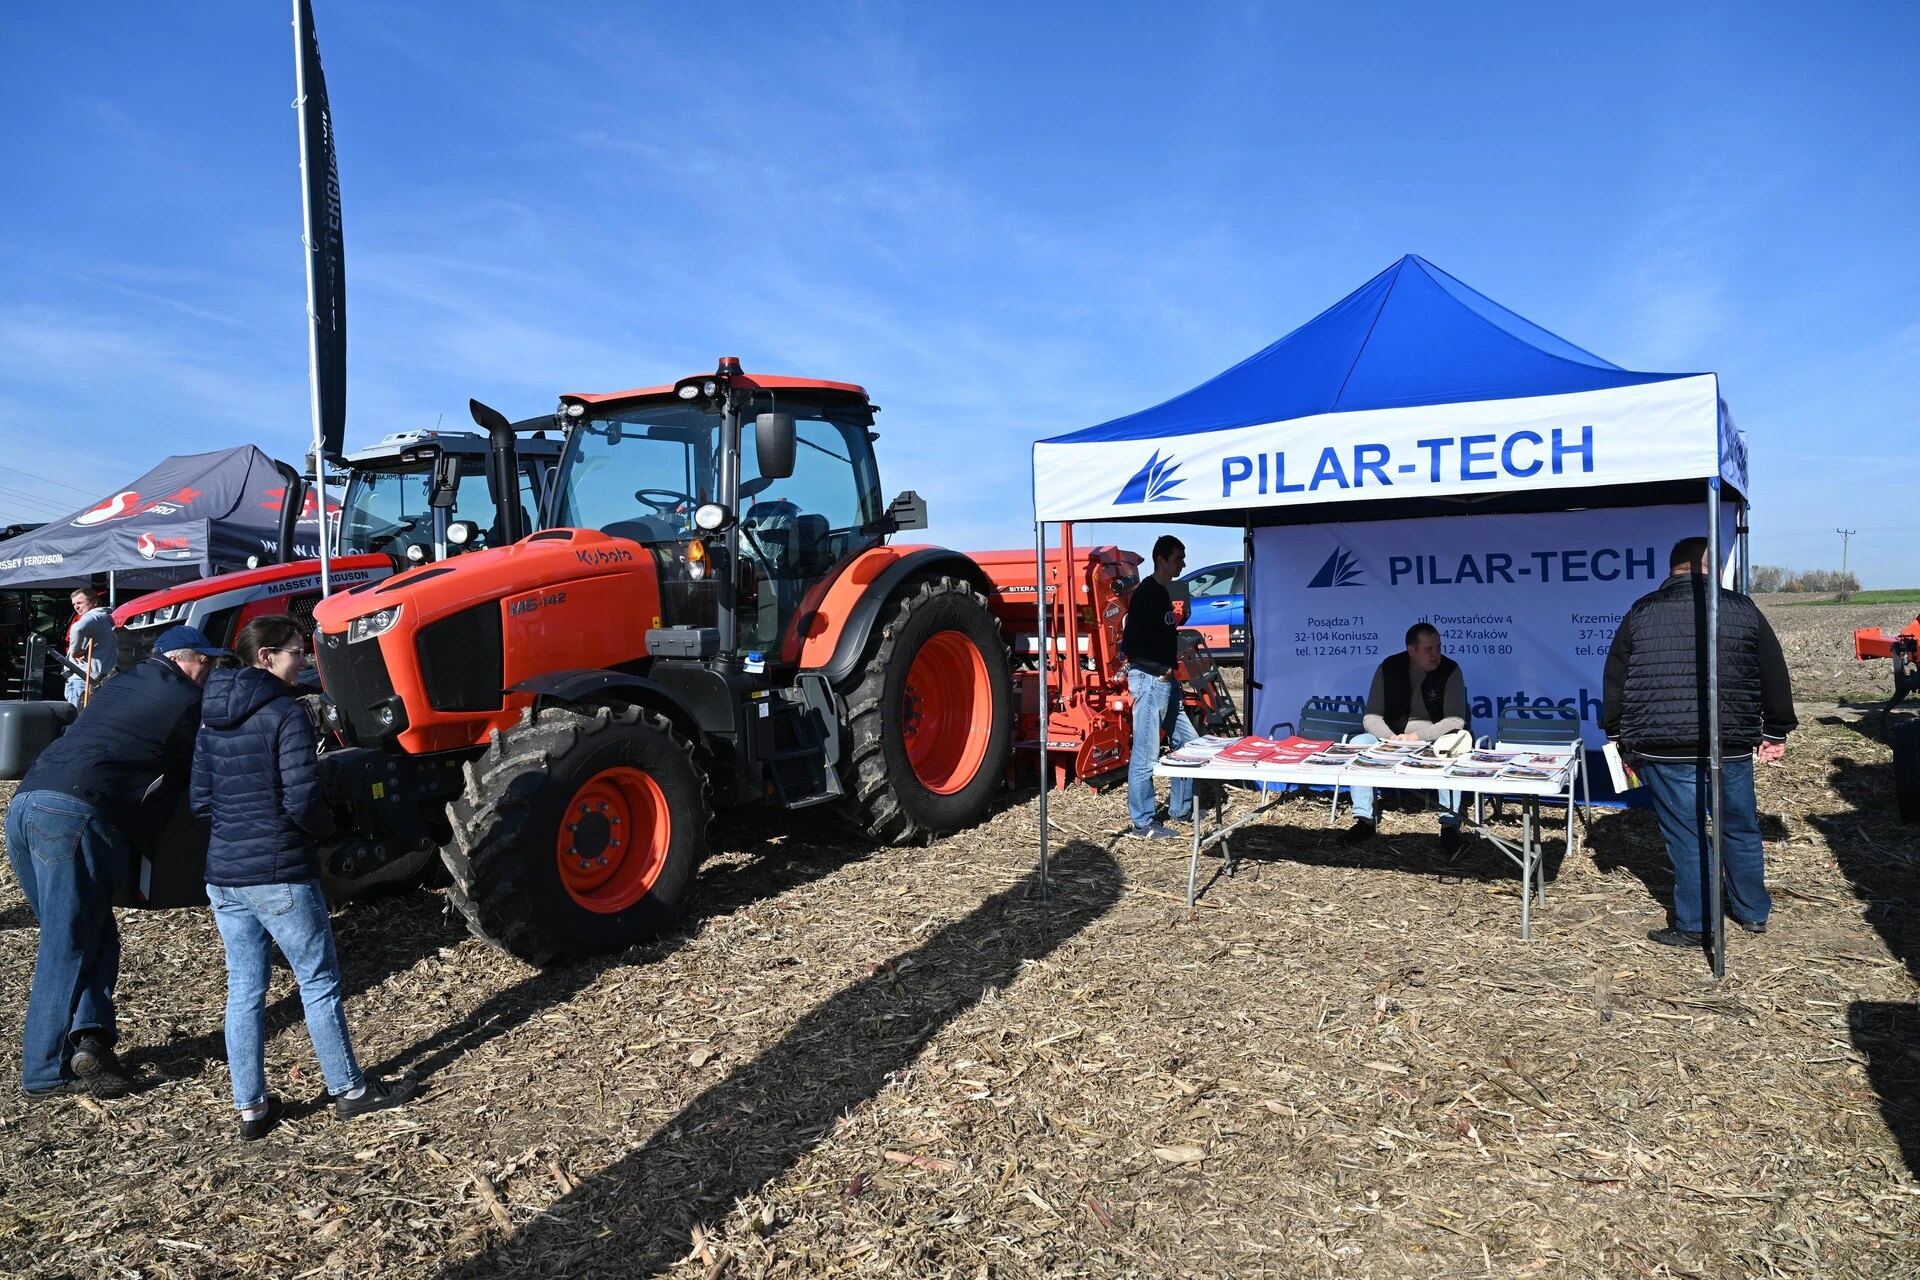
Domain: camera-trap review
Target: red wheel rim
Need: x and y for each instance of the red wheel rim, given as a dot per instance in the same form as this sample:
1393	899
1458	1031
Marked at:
947	713
613	840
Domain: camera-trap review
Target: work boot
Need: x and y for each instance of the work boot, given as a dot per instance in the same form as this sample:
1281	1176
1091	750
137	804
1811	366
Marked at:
1450	841
377	1096
1671	937
1359	833
66	1088
1756	926
98	1067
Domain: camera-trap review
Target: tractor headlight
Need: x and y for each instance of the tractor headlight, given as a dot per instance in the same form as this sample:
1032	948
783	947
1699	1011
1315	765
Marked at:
710	387
712	517
696	560
373	624
461	532
417	554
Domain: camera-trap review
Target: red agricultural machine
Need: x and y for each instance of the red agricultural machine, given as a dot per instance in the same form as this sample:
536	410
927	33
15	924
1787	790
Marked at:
714	618
1903	648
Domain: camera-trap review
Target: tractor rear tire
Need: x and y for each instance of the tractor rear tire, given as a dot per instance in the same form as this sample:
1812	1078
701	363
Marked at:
577	834
1906	769
930	717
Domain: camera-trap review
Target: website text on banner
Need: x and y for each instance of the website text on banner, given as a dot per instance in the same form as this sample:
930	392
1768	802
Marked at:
1526	604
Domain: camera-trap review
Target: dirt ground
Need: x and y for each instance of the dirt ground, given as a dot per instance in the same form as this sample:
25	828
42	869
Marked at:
1344	1063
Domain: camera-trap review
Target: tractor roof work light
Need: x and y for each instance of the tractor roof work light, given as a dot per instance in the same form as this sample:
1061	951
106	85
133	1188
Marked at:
688	390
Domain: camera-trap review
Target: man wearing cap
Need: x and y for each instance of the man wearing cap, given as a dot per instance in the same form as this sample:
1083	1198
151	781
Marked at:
99	794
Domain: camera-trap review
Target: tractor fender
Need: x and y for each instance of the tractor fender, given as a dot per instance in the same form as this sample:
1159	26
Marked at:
587	685
864	598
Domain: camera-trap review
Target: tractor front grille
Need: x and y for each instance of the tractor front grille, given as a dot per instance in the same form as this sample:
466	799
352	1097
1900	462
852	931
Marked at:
461	660
355	677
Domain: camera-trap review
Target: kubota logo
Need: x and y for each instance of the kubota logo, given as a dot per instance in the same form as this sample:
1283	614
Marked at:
1340	570
1152	483
119	504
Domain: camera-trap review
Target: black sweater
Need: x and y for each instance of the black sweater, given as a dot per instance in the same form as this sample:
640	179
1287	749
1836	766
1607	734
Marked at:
1151	638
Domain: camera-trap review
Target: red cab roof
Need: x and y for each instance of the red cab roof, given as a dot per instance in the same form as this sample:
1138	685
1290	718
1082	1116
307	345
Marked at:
751	381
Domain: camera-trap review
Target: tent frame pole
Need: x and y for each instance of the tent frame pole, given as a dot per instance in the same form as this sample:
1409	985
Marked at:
313	310
1715	924
1247	684
1041	752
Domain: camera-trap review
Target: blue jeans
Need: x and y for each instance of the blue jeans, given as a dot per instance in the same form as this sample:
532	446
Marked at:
294	917
1363	796
1153	704
1681	797
69	860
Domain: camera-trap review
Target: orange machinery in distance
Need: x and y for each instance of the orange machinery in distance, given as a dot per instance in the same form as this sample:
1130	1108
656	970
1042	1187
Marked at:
1090	723
1903	647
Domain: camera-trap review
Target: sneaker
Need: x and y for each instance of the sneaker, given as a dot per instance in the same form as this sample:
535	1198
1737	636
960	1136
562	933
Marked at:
1677	938
61	1090
98	1067
379	1095
1155	831
1757	926
1450	841
260	1126
1359	833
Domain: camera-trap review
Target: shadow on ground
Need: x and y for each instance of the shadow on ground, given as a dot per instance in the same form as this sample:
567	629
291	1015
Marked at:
758	1122
1881	859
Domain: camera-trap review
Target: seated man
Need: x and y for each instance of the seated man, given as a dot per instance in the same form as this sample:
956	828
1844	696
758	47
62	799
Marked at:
1417	696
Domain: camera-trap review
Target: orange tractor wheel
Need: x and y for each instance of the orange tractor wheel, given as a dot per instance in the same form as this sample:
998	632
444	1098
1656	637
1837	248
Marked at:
578	833
930	716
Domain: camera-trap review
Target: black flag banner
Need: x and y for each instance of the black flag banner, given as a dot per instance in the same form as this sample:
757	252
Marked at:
326	252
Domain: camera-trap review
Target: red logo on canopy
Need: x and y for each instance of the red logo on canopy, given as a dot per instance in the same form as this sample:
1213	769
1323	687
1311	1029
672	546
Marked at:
152	547
127	503
119	504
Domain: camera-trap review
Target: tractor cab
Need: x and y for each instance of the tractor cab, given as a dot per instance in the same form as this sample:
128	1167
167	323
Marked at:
423	495
749	491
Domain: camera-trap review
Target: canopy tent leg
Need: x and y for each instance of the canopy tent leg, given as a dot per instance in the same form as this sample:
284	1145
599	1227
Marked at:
1246	629
1714	923
1043	756
113	592
1743	583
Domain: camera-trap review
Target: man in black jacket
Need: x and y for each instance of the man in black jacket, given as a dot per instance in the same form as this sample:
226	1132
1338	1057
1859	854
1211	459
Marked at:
1656	706
1416	696
97	795
1150	639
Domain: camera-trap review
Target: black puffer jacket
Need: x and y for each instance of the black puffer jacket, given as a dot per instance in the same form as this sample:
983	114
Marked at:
1656	678
129	753
256	779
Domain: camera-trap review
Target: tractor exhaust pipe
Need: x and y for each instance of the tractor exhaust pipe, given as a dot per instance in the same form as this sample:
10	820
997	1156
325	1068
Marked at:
503	470
292	500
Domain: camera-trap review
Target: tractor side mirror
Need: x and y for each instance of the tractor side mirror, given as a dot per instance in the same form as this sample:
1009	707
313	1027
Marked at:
908	511
773	444
444	484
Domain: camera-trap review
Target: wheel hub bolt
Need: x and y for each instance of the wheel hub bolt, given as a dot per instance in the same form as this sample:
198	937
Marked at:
601	861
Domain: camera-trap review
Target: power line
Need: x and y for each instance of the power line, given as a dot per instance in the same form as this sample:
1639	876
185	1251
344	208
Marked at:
34	501
61	484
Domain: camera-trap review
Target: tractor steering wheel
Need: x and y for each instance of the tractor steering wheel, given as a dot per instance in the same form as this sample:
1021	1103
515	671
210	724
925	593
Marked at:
664	508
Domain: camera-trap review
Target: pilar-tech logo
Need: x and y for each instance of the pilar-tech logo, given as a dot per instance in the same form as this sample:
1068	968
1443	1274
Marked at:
1340	570
1152	483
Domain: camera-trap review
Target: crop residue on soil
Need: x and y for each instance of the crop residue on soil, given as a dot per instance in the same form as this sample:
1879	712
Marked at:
899	1061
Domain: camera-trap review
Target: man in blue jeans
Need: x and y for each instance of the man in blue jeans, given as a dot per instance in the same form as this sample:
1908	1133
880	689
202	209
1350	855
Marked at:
1416	696
1656	708
97	796
1150	639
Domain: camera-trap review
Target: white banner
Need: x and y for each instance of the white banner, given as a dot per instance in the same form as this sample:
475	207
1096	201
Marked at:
1526	604
1626	435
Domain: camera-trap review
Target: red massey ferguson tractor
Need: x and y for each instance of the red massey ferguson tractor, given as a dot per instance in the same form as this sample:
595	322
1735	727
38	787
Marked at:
1903	649
713	617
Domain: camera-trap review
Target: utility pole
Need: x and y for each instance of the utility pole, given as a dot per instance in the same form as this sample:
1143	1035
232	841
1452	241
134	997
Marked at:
1846	536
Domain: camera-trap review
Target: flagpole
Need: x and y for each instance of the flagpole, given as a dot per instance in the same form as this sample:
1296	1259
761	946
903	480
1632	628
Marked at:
313	317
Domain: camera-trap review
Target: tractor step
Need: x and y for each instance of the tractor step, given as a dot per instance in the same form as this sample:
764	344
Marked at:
794	737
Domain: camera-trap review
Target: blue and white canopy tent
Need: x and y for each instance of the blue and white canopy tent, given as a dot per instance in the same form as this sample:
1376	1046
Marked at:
1414	399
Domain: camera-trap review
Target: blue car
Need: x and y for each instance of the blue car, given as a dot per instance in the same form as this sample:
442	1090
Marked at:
1217	606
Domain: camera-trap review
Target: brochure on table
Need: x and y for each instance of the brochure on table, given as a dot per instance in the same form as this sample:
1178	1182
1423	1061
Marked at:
1386	759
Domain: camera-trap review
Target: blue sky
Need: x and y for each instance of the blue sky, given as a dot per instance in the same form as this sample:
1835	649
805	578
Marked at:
1005	221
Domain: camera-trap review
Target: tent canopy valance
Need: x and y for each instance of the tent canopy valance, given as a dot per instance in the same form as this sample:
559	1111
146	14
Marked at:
1414	395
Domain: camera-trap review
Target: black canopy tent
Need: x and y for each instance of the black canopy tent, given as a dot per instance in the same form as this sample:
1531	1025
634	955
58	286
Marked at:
190	516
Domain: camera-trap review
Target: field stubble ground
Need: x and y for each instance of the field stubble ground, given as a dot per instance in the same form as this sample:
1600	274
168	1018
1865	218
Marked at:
1344	1063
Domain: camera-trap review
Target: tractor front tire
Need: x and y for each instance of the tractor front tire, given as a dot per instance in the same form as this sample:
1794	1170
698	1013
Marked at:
930	716
578	833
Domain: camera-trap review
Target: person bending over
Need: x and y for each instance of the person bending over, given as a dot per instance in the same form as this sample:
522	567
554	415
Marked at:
256	780
1417	696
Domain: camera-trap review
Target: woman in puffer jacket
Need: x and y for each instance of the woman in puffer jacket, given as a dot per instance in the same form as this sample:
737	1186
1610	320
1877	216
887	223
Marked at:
255	778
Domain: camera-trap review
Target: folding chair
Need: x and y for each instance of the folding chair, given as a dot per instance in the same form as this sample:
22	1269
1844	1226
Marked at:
1320	718
1516	732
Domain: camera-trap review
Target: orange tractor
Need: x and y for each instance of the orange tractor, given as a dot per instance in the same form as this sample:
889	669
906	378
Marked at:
712	616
